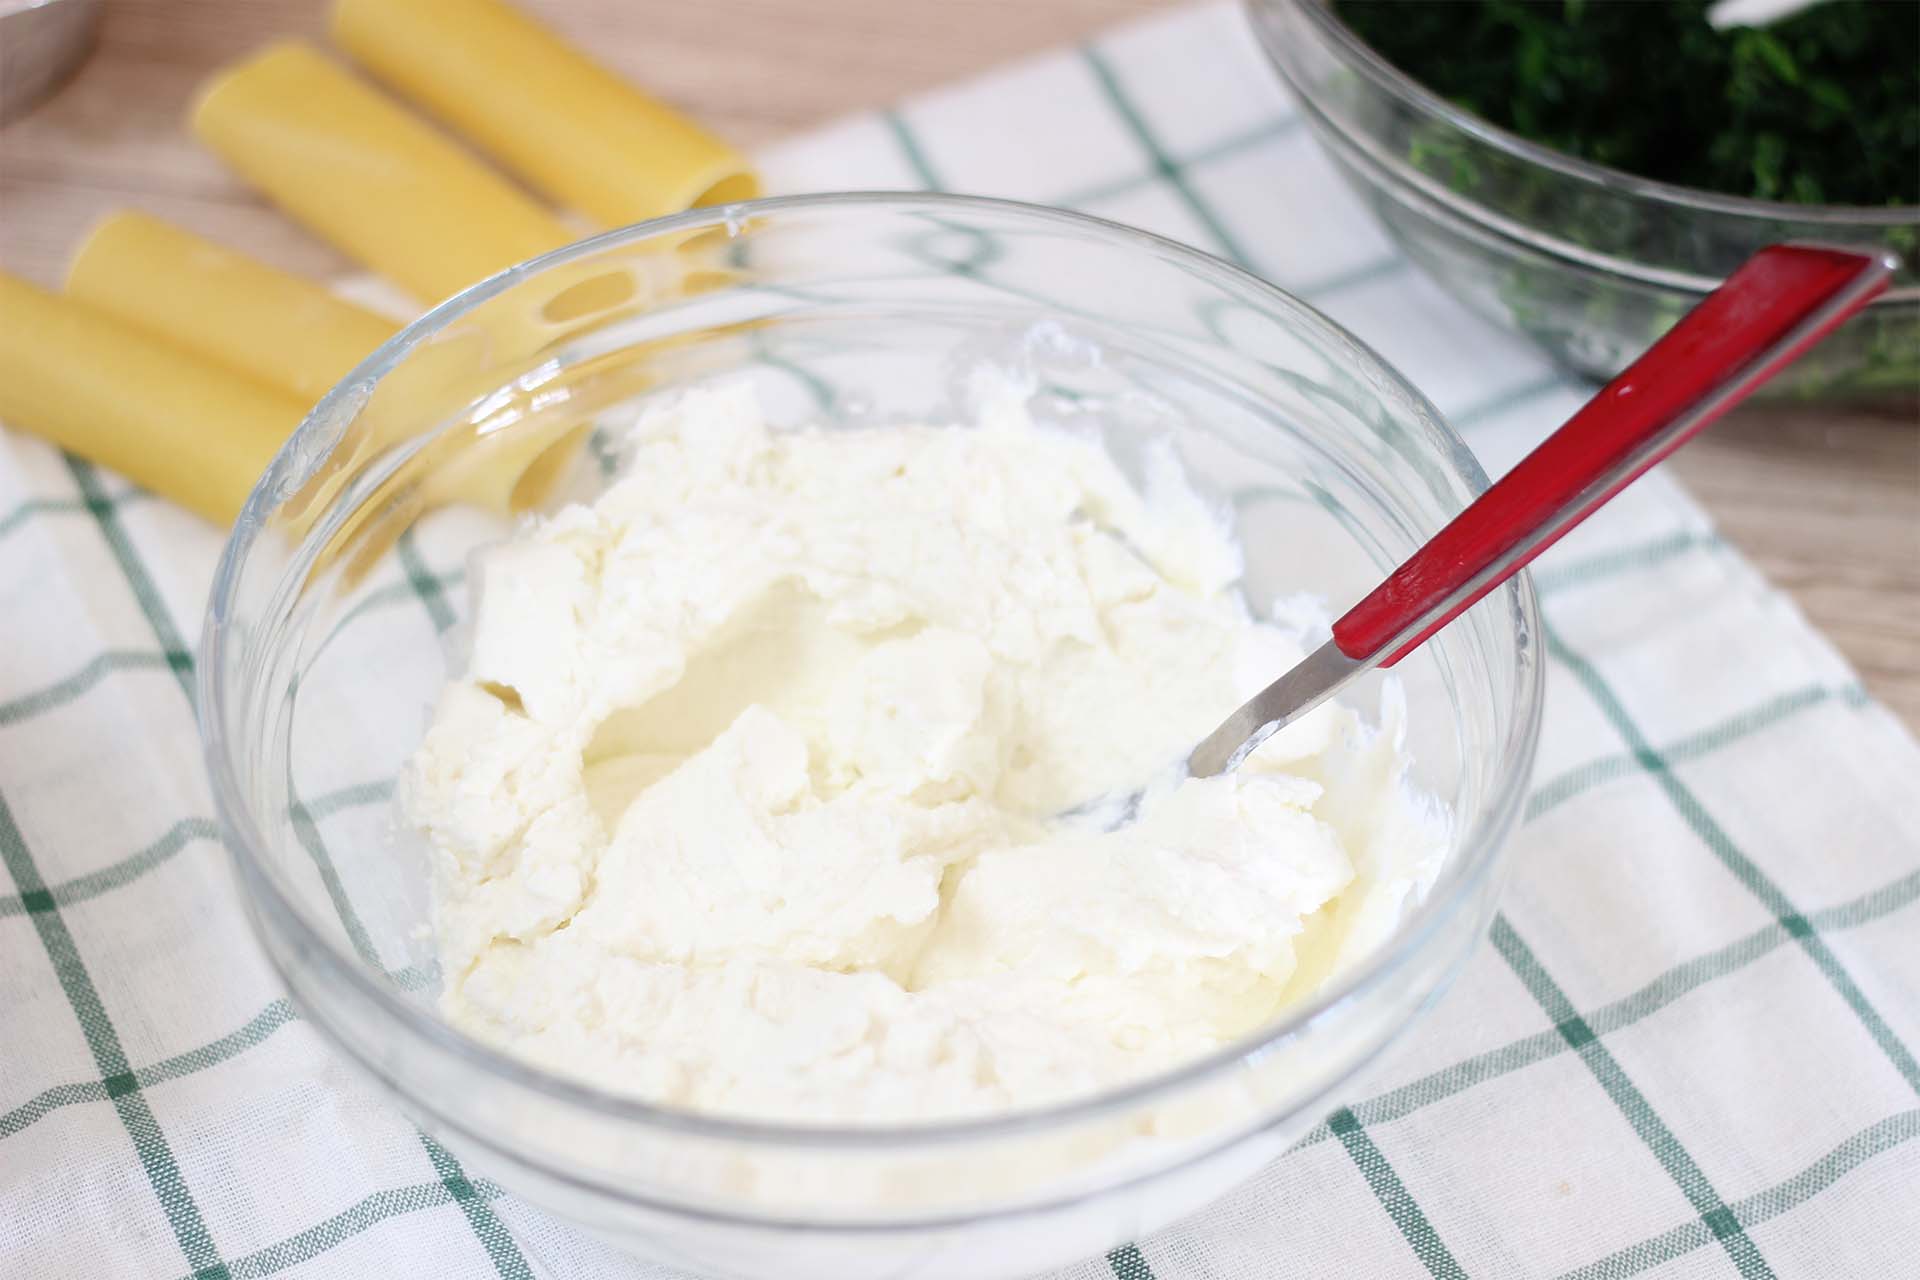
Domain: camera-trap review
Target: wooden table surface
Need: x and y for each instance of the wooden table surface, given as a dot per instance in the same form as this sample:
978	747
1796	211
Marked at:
1825	501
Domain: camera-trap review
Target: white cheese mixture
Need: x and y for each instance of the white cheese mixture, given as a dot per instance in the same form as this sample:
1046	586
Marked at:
748	800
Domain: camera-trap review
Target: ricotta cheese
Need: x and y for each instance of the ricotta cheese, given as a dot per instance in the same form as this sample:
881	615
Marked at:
750	798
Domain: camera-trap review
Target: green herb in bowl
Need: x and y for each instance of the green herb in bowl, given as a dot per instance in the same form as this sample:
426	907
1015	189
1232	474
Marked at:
1822	107
1585	171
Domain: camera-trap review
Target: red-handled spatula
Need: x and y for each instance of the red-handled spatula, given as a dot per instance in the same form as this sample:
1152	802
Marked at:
1779	303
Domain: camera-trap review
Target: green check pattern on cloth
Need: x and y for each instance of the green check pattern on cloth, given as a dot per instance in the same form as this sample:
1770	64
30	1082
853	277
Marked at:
1689	1048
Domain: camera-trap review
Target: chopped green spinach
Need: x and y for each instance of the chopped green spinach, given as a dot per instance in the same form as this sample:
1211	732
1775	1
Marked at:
1822	107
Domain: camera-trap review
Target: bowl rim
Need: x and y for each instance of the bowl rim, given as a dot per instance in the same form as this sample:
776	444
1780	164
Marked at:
1402	85
1475	855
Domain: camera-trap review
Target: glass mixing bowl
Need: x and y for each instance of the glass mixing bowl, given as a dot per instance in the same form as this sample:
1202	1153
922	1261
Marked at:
1592	263
337	614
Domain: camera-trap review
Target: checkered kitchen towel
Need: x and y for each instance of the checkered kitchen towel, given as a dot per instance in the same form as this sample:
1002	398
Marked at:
1688	1048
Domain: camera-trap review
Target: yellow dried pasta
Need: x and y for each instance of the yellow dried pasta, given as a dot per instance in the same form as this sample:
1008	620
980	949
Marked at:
166	419
274	327
367	175
567	126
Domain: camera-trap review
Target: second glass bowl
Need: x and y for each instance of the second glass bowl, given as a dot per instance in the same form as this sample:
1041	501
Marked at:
1592	263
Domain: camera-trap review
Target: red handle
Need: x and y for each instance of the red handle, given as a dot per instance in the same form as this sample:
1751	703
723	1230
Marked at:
1780	302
